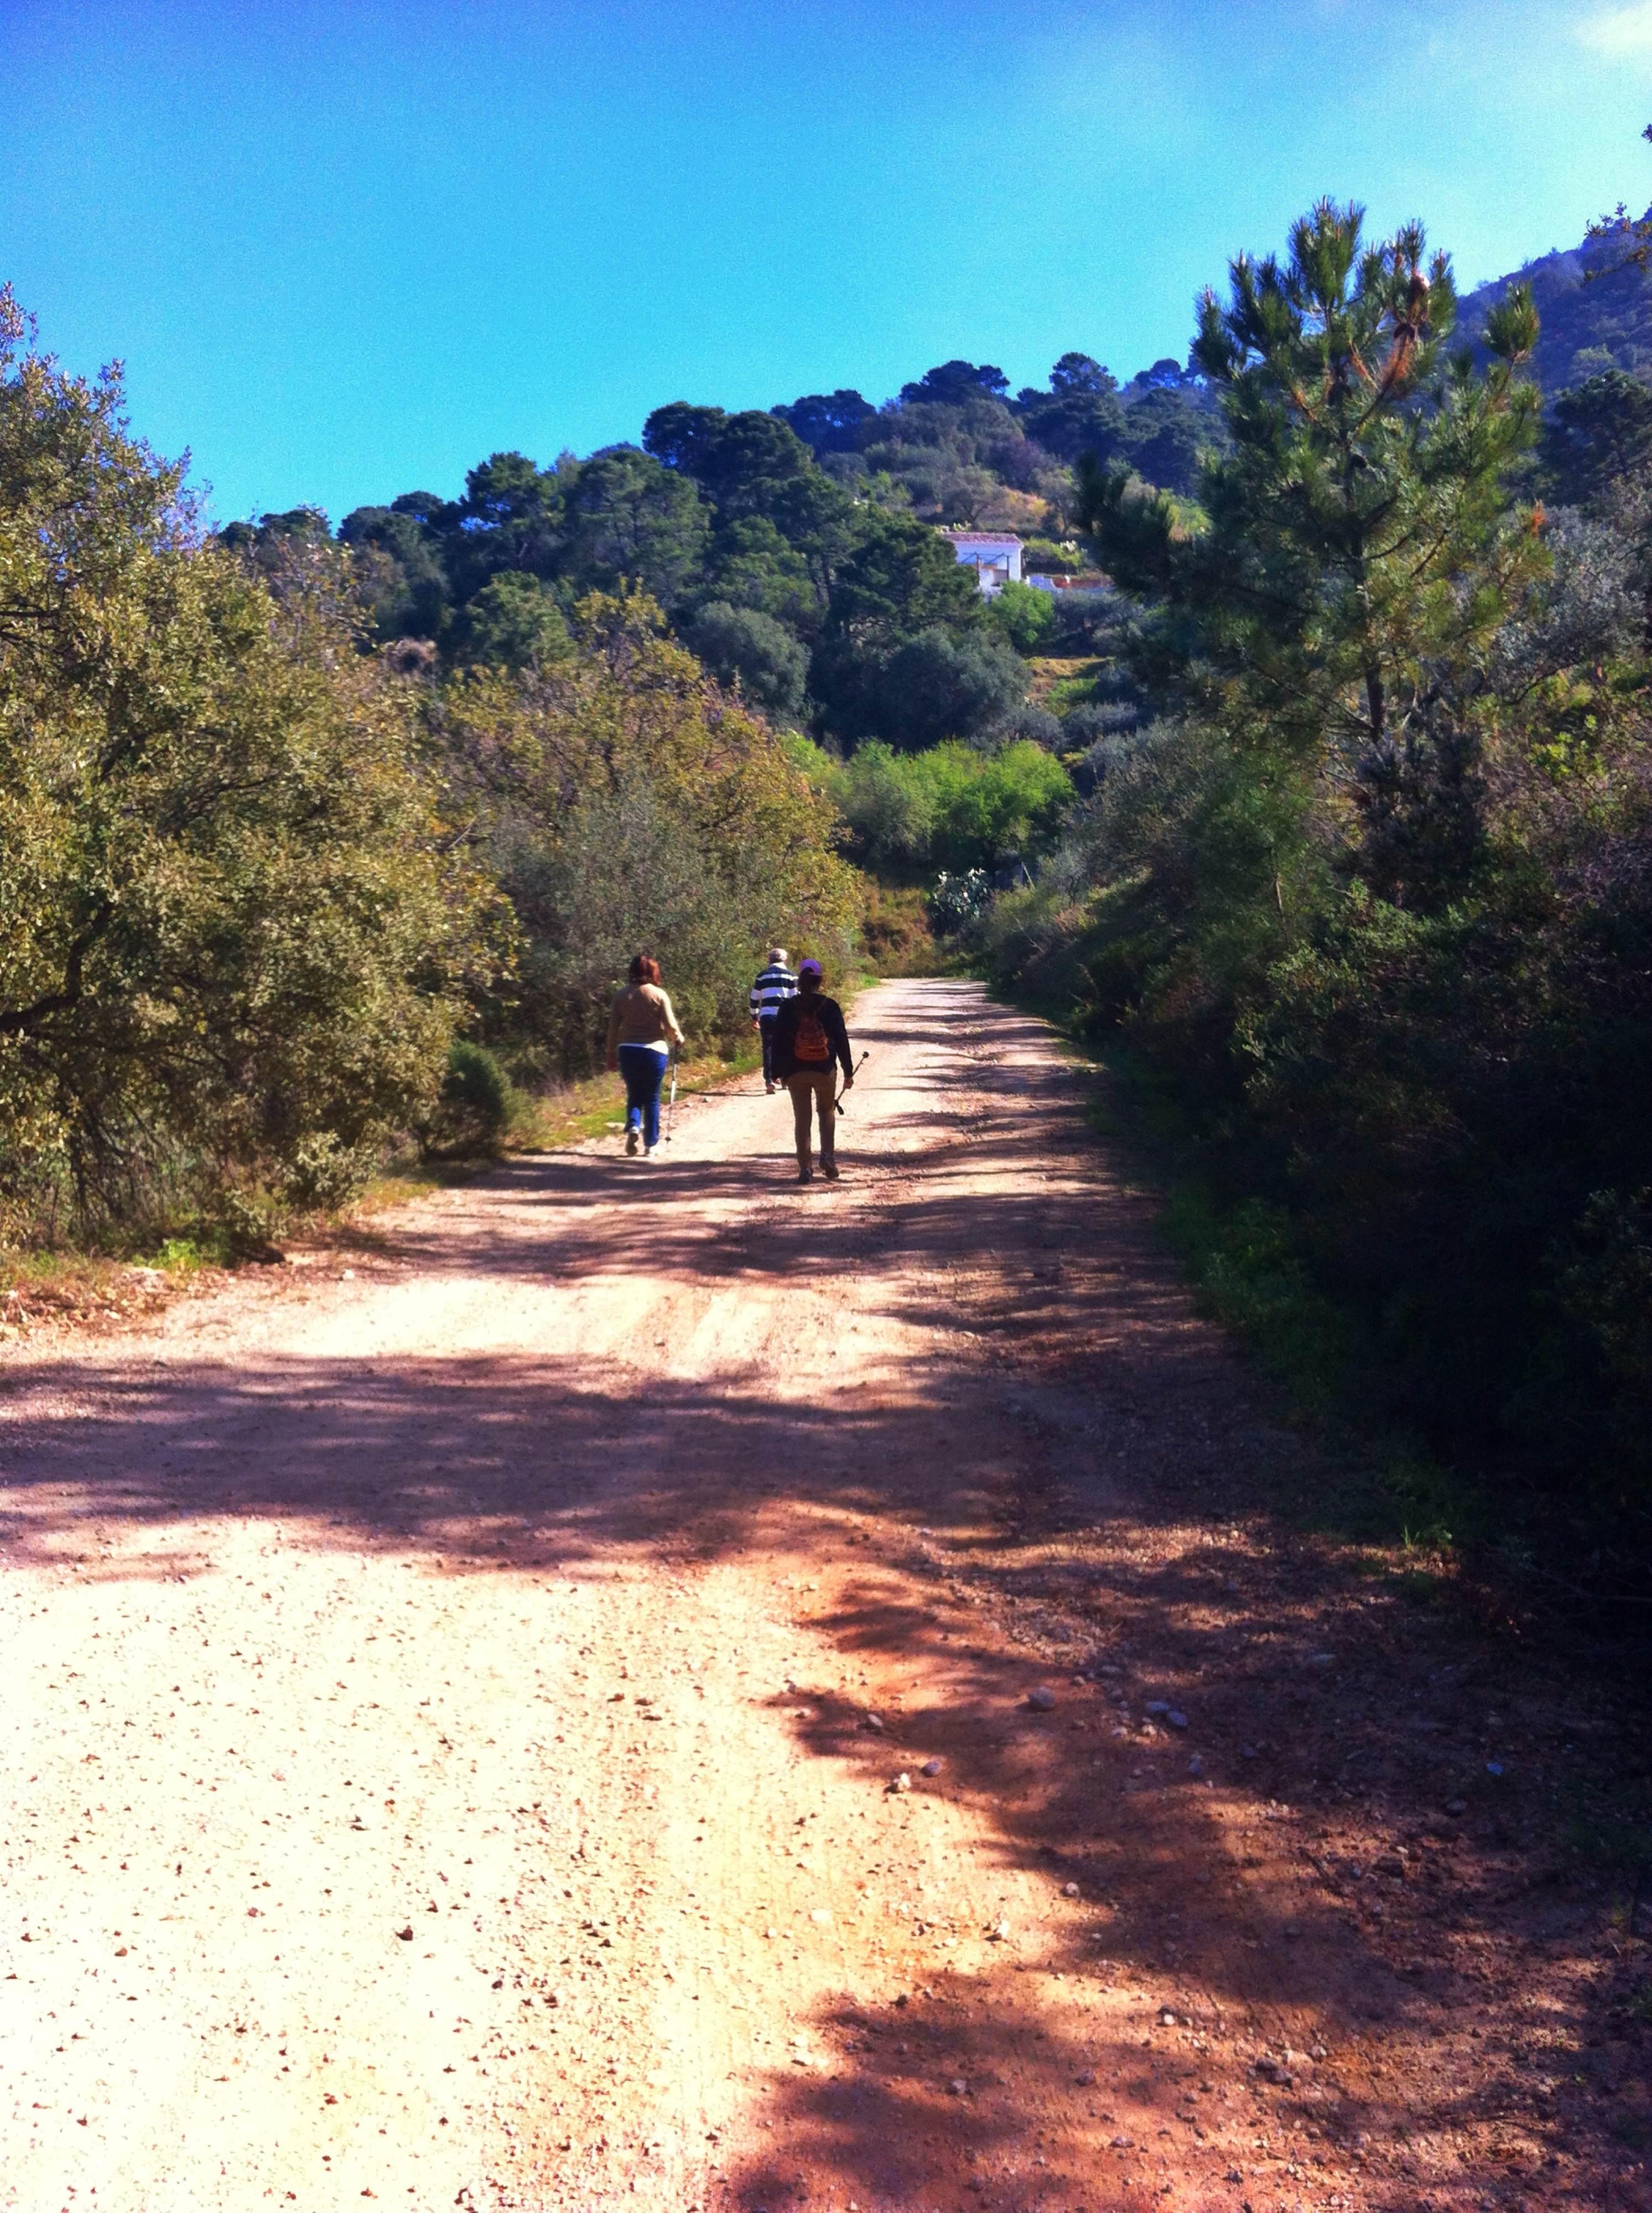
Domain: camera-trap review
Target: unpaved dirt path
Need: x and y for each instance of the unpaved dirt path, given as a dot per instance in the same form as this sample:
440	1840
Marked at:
455	1705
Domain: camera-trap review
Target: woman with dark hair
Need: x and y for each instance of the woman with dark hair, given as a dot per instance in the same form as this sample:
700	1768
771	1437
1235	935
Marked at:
642	1030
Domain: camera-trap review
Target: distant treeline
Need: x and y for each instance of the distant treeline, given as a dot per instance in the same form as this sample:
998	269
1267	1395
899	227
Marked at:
790	549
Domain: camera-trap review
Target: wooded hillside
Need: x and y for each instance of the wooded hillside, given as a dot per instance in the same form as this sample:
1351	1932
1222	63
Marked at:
1336	795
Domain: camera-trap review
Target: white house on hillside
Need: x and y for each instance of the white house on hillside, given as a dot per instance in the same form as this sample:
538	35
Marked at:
994	556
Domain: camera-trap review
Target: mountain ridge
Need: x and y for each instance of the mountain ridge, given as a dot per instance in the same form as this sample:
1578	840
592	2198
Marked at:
1594	307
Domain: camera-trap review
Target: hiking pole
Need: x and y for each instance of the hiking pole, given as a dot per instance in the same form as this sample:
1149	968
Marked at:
838	1102
671	1104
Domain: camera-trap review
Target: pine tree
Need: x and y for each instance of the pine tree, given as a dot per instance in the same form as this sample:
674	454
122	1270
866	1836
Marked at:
1356	545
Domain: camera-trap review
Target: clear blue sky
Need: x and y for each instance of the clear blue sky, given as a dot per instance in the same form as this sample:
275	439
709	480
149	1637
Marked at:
347	249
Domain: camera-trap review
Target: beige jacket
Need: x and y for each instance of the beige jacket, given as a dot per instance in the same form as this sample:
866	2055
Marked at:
641	1015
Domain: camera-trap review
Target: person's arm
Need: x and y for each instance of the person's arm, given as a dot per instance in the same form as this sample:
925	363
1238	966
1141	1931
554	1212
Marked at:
671	1019
613	1054
751	1001
840	1042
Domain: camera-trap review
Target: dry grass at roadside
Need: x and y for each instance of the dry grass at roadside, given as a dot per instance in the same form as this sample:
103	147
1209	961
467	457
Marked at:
75	1289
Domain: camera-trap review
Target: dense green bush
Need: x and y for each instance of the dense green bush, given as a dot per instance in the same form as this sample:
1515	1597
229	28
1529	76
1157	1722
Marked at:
1026	616
1372	895
625	805
1042	556
473	1105
942	684
744	645
235	927
513	622
952	807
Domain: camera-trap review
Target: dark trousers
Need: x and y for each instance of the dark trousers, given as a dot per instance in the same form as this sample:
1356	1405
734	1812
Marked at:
643	1070
818	1093
766	1031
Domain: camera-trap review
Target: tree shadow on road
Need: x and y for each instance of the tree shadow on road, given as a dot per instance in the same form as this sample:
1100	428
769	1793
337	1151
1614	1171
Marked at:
490	1464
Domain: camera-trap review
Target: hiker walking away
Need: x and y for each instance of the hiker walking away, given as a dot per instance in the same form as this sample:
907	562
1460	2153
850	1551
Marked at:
642	1030
772	988
810	1044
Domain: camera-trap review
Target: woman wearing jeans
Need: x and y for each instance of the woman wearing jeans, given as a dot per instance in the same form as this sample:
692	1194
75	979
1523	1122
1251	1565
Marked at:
642	1030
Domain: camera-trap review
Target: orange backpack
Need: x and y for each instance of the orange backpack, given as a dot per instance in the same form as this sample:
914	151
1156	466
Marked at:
811	1043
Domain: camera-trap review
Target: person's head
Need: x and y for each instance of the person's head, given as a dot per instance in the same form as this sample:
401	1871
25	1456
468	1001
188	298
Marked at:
777	955
808	975
645	969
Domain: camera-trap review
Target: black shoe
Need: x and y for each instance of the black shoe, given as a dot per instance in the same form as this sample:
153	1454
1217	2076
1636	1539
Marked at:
805	1173
829	1169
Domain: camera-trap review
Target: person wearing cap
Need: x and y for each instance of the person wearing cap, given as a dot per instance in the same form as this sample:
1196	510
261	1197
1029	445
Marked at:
810	1044
769	993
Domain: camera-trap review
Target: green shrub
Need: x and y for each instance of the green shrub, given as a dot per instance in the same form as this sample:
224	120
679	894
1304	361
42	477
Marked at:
742	644
472	1108
1025	616
952	807
624	807
886	800
513	622
1043	557
1247	1263
236	927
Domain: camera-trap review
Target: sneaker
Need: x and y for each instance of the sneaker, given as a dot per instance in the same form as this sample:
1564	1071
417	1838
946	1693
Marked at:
829	1169
805	1173
771	1087
632	1136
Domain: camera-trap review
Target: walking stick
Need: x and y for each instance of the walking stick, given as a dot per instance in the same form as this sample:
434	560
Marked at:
838	1102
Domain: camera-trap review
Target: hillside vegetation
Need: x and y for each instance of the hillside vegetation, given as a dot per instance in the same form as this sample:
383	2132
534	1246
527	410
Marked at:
1332	778
1369	895
791	550
259	879
1594	310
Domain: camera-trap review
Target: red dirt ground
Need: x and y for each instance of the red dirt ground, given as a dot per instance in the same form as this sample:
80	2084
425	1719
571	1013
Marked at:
457	1702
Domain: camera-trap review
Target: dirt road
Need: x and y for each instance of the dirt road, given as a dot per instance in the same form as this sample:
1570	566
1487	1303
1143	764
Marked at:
538	1716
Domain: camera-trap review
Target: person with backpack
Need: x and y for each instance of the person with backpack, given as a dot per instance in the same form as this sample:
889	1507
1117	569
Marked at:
810	1044
642	1030
769	993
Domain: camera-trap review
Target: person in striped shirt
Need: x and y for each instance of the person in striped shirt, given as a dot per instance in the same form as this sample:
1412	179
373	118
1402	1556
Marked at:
772	988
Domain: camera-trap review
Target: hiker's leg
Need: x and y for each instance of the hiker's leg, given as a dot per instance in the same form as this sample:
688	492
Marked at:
766	1031
655	1077
634	1077
825	1095
803	1093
